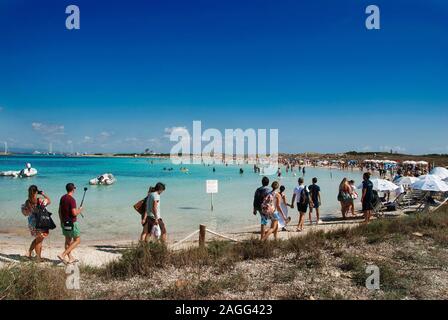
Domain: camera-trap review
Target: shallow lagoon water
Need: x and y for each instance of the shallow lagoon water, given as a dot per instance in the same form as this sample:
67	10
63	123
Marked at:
184	205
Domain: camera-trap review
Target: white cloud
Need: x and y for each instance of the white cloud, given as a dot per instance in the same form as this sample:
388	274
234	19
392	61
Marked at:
177	130
105	134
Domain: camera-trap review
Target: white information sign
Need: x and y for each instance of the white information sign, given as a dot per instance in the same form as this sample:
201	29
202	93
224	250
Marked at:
211	186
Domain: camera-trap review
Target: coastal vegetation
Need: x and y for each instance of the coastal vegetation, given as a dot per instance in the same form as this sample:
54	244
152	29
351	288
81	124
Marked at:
411	253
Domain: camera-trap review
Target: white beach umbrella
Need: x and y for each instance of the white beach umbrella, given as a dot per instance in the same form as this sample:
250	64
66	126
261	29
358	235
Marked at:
406	181
382	185
430	183
441	172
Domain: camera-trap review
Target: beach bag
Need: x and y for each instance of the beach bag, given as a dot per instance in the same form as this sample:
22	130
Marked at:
68	225
156	232
267	206
340	197
304	196
43	219
140	206
24	210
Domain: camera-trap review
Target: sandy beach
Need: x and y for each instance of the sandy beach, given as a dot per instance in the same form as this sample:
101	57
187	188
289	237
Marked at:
98	253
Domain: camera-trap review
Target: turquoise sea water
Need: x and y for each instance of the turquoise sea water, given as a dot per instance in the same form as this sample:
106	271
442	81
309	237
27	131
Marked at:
184	205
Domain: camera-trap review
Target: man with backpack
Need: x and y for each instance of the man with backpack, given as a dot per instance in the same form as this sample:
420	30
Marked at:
301	196
259	197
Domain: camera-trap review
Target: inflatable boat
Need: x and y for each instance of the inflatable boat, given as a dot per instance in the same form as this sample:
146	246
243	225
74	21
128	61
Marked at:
24	173
104	179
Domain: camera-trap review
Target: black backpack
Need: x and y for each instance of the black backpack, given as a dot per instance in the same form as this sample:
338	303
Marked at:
304	196
43	219
260	194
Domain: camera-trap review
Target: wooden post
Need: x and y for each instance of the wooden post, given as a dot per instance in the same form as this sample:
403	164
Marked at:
202	235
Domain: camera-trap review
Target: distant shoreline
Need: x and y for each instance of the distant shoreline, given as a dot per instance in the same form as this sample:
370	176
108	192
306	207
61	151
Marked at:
438	159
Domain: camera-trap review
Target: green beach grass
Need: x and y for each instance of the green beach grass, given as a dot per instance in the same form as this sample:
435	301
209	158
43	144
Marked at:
347	250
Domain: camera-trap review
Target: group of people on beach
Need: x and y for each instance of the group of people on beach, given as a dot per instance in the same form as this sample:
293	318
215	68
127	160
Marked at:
35	206
347	195
272	205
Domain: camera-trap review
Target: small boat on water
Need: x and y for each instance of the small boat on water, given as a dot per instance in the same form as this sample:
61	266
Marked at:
24	173
104	179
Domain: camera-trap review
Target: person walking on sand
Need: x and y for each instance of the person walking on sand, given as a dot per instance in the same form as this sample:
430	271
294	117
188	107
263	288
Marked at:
301	197
35	199
68	213
278	212
367	197
152	218
283	219
315	201
259	196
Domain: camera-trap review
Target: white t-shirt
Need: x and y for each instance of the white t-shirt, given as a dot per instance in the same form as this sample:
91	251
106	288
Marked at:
153	196
298	191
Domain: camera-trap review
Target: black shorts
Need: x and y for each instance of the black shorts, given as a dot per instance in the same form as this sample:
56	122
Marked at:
302	207
367	205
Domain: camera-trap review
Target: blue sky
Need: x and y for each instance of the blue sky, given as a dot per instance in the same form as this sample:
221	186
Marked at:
310	69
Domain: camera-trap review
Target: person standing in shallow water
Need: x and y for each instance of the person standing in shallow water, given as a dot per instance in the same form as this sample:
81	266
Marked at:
367	197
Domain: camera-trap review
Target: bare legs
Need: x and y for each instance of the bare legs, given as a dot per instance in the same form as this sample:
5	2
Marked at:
345	207
368	215
72	244
145	236
317	215
36	245
145	232
301	221
272	230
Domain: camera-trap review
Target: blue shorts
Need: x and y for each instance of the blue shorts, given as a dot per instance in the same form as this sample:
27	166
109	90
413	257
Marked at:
263	220
275	217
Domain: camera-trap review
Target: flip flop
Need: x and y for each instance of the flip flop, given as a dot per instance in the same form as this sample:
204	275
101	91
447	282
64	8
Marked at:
74	261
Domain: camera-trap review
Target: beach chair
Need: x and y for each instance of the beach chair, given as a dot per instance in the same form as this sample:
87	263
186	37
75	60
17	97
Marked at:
398	203
378	208
412	198
426	208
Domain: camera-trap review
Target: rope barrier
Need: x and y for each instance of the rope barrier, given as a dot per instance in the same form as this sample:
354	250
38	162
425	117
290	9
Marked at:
440	205
184	239
2	258
222	236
